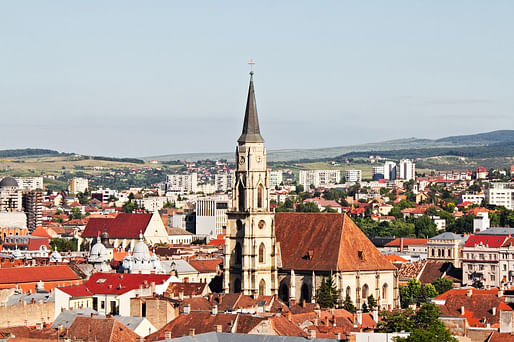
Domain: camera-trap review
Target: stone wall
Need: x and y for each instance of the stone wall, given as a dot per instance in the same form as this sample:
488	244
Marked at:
26	314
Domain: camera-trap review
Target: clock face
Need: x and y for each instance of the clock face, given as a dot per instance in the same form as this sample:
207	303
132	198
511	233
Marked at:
261	224
242	160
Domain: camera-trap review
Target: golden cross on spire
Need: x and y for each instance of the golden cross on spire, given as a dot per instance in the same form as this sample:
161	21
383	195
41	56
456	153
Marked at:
251	63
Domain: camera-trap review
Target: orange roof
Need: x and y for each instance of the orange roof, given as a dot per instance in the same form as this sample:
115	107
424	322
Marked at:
395	258
40	231
326	241
406	242
17	275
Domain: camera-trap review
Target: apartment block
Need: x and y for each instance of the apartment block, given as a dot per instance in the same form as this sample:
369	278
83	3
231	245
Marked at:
319	177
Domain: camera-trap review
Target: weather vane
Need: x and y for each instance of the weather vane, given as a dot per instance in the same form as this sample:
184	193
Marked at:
251	63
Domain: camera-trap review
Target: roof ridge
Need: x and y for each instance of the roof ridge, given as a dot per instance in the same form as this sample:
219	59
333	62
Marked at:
340	243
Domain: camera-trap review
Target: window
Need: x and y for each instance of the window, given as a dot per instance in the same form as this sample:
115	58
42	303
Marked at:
504	267
365	290
493	278
481	256
262	250
260	196
102	304
262	287
241	193
238	254
493	268
384	291
481	267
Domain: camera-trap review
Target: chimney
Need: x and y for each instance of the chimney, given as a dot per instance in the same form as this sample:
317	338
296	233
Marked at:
470	292
219	328
401	244
192	332
494	310
214	310
187	309
303	303
500	292
375	315
462	310
312	334
167	334
359	317
181	295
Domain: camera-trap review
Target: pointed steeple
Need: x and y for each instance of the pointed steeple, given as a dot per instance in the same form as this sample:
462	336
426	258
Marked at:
251	132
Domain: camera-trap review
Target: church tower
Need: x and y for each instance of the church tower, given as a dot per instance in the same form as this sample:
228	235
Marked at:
250	264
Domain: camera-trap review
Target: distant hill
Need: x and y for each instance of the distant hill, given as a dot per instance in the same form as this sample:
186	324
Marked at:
489	138
482	139
27	152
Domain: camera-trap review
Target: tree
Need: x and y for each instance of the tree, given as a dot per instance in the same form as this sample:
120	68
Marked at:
424	227
299	188
372	303
309	207
64	245
396	321
326	295
442	285
169	205
348	304
129	207
436	333
416	293
75	213
427	316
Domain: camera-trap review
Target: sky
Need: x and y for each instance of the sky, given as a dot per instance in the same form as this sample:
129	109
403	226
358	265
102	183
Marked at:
143	78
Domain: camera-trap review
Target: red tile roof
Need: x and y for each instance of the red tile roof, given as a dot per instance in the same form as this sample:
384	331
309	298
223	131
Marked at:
116	283
100	329
41	232
17	275
493	241
325	241
35	244
122	226
76	290
206	265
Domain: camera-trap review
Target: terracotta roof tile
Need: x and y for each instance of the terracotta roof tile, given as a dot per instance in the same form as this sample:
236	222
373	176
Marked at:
38	273
206	265
325	241
493	241
122	226
100	329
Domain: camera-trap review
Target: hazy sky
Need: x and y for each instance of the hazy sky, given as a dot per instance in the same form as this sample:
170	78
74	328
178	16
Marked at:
140	78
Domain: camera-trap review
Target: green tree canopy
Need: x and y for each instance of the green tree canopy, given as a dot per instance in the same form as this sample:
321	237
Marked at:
326	295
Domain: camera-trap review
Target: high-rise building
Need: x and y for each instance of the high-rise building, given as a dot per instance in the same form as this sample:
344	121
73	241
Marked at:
250	264
77	184
211	217
407	169
500	194
10	195
390	170
275	178
186	183
353	175
30	183
319	177
377	172
33	207
223	181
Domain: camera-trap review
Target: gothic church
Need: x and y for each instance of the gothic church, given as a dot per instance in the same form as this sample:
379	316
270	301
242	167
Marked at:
289	254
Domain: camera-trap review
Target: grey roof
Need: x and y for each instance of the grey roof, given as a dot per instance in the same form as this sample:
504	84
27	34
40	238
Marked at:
228	337
497	231
181	266
131	322
251	132
8	181
448	236
67	317
27	298
177	231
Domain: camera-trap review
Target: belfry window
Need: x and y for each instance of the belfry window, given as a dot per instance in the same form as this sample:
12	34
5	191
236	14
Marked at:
260	196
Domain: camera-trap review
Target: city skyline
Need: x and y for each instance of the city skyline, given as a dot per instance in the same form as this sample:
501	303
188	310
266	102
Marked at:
124	79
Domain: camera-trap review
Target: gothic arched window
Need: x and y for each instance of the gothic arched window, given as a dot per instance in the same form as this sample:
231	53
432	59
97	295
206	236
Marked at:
241	194
262	250
238	254
365	291
384	291
262	287
260	196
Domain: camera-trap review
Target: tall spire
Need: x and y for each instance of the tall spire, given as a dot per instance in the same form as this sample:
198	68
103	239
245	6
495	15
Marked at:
251	132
